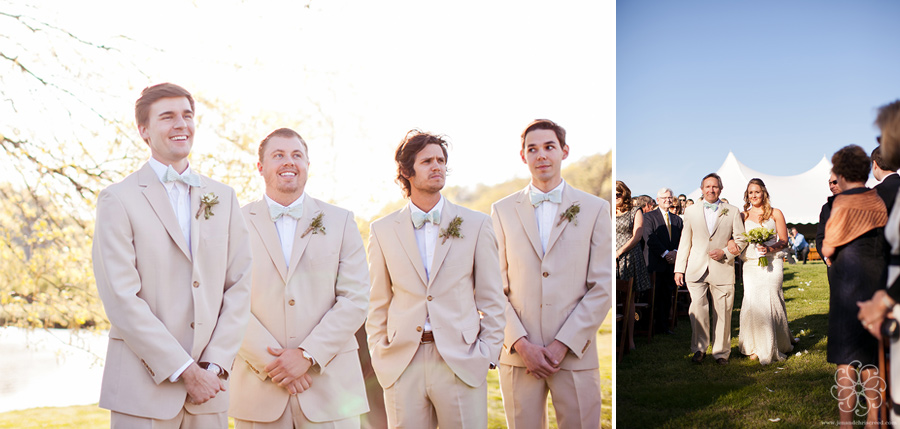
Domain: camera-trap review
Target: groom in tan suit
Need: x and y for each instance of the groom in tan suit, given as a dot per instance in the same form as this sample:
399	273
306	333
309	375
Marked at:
172	263
298	366
556	266
436	316
705	264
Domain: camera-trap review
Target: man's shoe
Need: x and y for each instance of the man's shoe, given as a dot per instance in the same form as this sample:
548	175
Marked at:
722	361
698	357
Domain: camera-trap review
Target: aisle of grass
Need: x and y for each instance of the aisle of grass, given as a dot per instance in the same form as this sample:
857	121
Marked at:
657	386
91	416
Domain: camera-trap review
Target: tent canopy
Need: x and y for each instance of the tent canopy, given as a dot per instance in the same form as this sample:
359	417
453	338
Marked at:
799	197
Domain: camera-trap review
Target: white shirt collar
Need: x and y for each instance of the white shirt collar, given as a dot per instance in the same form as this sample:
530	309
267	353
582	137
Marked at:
438	206
296	202
561	187
160	168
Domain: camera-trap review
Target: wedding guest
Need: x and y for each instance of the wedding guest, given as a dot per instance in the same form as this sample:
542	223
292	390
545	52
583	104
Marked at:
689	203
172	265
886	173
631	270
436	315
799	245
824	214
552	236
853	244
682	204
663	232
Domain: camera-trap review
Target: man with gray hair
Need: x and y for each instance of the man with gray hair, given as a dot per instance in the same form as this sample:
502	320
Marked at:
663	232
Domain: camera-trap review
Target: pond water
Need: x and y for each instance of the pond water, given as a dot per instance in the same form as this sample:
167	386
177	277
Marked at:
50	367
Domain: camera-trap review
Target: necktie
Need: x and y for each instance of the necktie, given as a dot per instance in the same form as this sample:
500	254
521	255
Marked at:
554	196
713	206
189	179
420	218
668	226
277	210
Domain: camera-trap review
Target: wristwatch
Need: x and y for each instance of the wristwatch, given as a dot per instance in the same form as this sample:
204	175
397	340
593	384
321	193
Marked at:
213	368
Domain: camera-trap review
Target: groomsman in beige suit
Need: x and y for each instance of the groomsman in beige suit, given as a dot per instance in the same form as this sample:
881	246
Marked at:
436	318
298	366
172	263
704	263
556	266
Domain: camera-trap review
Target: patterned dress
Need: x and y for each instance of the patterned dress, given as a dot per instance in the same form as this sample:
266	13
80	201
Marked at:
630	265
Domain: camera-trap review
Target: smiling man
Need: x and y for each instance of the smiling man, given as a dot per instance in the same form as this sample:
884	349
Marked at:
172	263
556	265
298	365
436	316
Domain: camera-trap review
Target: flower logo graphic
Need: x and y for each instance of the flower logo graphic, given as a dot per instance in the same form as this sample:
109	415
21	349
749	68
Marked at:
851	391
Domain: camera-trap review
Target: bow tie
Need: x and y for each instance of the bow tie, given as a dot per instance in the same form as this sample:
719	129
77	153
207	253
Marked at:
554	196
276	211
420	218
189	179
713	206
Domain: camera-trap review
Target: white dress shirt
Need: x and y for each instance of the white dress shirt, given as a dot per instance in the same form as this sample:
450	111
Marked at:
668	221
287	227
426	239
711	215
545	214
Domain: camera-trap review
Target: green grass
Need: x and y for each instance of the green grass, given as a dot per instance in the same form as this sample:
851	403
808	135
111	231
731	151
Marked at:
658	386
91	416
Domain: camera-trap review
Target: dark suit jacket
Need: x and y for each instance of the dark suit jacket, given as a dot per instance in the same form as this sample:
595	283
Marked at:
887	190
658	239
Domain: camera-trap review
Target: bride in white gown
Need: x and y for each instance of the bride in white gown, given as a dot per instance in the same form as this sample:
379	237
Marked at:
764	332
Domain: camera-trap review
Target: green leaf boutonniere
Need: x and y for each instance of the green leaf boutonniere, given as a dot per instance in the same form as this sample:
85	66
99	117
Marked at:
207	202
452	230
571	214
724	212
315	226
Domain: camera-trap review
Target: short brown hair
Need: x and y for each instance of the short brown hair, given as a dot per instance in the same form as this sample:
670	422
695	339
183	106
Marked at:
882	163
712	175
851	163
545	124
281	132
888	120
413	143
152	94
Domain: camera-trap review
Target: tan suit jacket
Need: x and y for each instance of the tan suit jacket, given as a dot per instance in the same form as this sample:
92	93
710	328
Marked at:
465	280
167	303
317	303
563	294
693	250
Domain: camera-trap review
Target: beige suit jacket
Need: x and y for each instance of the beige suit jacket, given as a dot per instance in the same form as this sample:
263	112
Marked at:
464	281
693	250
317	303
167	303
563	294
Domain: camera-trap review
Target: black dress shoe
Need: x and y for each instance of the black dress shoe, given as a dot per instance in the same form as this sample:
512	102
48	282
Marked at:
698	357
722	361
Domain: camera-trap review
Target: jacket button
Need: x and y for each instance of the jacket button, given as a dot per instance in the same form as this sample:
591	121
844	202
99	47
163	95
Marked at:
196	283
429	298
291	303
192	325
546	274
419	328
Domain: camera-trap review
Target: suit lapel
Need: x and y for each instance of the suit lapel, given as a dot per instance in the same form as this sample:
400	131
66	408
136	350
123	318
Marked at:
196	194
259	217
156	195
441	250
310	210
557	227
719	218
407	238
699	218
526	215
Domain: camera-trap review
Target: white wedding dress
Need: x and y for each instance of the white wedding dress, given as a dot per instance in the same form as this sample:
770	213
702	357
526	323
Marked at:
764	325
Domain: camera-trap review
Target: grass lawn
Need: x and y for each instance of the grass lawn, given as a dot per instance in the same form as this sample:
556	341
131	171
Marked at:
91	416
658	386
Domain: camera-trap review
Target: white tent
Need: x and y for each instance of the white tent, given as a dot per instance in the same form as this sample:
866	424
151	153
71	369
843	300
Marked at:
799	197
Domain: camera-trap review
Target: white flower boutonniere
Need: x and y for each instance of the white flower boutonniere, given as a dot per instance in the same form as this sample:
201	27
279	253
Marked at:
571	214
724	212
315	226
207	202
452	230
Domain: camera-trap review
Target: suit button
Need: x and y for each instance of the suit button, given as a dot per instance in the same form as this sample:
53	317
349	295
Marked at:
546	274
196	283
419	328
291	303
429	298
192	325
710	238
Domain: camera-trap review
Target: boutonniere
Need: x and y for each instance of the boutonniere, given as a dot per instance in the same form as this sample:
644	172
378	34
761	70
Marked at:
452	230
723	212
207	202
315	226
571	214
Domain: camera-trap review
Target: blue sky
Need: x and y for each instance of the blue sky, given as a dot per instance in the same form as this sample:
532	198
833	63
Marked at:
779	83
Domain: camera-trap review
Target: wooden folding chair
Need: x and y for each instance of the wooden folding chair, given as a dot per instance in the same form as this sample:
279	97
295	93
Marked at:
623	302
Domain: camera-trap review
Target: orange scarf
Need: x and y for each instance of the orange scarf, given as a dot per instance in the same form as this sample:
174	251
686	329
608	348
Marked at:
852	216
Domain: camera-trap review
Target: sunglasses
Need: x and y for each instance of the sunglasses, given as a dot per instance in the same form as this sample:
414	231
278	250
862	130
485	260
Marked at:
618	195
878	139
832	182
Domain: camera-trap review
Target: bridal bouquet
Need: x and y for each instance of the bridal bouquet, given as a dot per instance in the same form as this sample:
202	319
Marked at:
760	235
